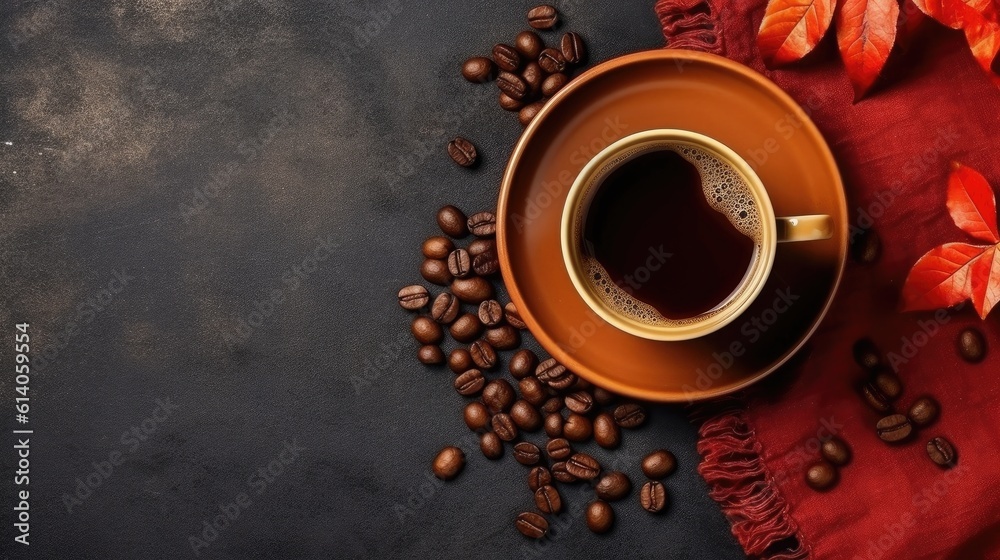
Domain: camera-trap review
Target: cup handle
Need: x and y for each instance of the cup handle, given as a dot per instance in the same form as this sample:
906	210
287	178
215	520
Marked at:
811	227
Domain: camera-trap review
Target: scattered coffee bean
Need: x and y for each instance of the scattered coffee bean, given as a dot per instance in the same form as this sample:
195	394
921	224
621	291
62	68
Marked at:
436	271
472	290
653	496
971	345
600	517
449	463
531	525
554	83
560	473
445	308
498	396
629	415
583	466
528	112
613	486
923	411
836	451
659	464
486	264
553	404
529	44
941	452
452	222
558	449
887	382
503	337
577	427
572	48
554	374
523	362
426	331
508	103
459	263
437	247
506	57
478	69
466	328
527	453
532	390
553	425
480	246
866	354
579	402
491	445
513	86
867	248
484	355
476	416
525	416
875	399
543	17
413	297
490	313
513	317
533	76
483	224
504	427
430	354
603	396
547	499
821	475
459	360
463	152
552	61
582	384
538	477
470	383
606	432
894	428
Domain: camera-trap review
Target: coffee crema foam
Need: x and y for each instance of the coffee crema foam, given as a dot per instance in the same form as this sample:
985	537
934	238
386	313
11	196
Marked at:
727	192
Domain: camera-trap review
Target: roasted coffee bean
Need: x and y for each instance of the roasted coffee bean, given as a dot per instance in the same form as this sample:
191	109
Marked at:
577	427
522	363
887	382
971	345
513	86
600	516
513	317
552	61
821	475
629	415
476	415
504	426
603	396
503	337
413	297
483	355
560	473
480	246
486	264
463	152
466	328
543	17
893	428
606	432
490	313
836	451
491	445
866	354
527	453
528	112
498	395
554	374
508	103
430	354
470	383
426	331
445	309
875	399
449	463
554	83
941	452
579	402
532	390
483	224
614	485
866	248
533	76
553	404
653	496
437	247
582	385
923	411
583	466
459	360
572	48
453	222
547	499
459	263
529	44
436	271
478	69
531	525
558	449
525	416
506	57
659	464
538	477
553	425
472	290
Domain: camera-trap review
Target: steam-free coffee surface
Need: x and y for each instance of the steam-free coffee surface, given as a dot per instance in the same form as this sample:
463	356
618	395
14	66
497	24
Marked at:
653	231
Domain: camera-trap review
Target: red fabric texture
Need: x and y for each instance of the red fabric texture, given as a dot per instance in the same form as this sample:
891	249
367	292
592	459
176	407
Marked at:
933	105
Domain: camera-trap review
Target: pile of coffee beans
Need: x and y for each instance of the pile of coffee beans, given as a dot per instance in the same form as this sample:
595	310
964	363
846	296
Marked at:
824	474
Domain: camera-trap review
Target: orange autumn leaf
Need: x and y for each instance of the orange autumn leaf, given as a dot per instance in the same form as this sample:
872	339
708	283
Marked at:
866	33
791	29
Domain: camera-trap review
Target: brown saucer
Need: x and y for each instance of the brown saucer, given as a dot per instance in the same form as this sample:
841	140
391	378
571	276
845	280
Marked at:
693	91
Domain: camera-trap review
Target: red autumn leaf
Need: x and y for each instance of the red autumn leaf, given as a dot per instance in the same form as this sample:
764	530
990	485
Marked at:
791	29
985	273
983	36
866	33
972	204
952	13
941	277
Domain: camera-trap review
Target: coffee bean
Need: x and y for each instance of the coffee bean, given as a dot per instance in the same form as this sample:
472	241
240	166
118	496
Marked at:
459	360
659	464
513	86
491	446
483	355
413	297
527	453
629	415
508	103
506	57
525	416
606	432
472	290
971	345
893	428
528	112
532	390
887	382
430	354
531	525
558	449
603	396
547	499
483	224
463	152
875	399
513	317
504	426
503	337
554	83
459	263
821	475
490	313
452	222
553	425
553	404
466	328
600	517
554	374
533	76
436	271
543	17
560	473
867	248
538	477
480	246
941	452
582	384
529	44
836	451
552	61
866	354
923	411
449	463
478	69
522	363
498	395
470	383
426	331
579	402
437	247
583	466
577	427
653	496
572	48
476	416
445	309
614	485
486	263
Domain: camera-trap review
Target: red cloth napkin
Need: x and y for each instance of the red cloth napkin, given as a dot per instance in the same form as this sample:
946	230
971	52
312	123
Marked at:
894	147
